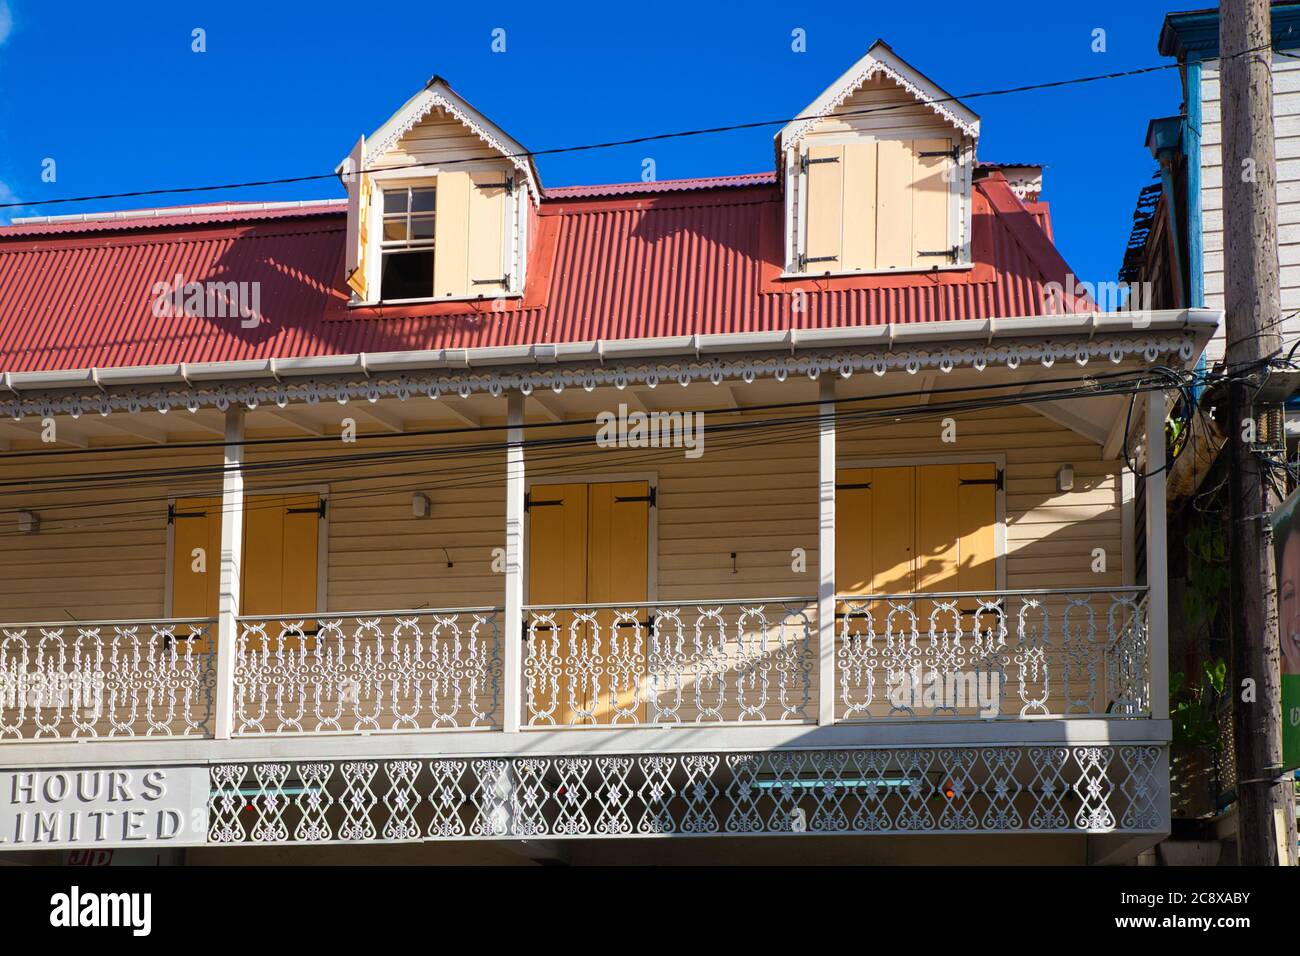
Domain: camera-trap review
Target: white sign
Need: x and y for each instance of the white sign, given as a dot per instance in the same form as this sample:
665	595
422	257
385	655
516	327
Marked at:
103	807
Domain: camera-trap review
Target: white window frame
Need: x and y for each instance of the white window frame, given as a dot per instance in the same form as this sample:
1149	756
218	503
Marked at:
959	207
408	244
514	232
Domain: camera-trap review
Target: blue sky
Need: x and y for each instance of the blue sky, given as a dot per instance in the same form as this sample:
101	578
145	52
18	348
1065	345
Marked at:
114	94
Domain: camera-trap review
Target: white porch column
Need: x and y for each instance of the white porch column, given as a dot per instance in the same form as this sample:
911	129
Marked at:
826	550
232	555
512	628
1157	559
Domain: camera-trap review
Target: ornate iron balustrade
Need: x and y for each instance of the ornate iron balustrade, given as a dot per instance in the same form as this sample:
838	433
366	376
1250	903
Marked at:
368	673
1080	652
106	679
679	663
784	792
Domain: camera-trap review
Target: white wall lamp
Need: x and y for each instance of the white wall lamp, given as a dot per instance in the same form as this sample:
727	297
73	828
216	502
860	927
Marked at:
1065	478
420	505
28	522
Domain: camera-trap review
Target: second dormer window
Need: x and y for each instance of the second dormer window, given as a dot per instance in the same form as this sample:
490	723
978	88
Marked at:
880	204
407	242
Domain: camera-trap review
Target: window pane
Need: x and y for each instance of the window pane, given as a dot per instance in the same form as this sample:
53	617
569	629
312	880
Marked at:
394	200
407	275
422	200
394	229
422	227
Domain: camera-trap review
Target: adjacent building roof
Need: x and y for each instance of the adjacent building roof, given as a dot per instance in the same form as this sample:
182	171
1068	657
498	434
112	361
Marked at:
614	262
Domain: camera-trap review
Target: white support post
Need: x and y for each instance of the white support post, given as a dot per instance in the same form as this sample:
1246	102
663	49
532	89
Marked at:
826	551
512	628
232	556
1157	558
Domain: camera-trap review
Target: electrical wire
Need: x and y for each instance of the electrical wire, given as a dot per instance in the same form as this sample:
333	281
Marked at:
1090	386
797	428
637	140
218	443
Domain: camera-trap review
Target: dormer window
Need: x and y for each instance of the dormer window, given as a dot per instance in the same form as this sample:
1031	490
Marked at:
878	174
438	206
879	204
407	242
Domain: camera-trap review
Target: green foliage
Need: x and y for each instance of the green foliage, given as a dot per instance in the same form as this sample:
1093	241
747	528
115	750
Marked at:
1193	707
1207	572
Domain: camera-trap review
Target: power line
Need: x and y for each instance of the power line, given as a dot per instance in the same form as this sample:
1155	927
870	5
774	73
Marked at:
798	429
218	443
636	140
1091	386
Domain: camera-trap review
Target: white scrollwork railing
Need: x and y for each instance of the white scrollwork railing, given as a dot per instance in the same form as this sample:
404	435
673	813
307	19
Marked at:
1080	652
690	662
106	679
789	793
368	673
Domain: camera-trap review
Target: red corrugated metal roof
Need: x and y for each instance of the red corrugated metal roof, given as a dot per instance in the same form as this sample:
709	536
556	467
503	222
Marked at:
636	266
170	216
662	186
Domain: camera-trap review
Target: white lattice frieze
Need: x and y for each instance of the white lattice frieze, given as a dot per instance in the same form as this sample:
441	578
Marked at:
1152	348
782	792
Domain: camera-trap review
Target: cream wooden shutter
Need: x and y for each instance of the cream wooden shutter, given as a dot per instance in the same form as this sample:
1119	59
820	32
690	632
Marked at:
488	203
358	186
895	170
824	210
451	236
932	202
859	217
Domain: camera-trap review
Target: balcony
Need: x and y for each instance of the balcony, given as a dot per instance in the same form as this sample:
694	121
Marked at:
785	661
1009	655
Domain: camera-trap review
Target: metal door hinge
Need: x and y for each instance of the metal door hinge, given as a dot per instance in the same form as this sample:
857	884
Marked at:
173	514
804	260
508	185
954	154
999	481
653	498
805	161
951	254
318	510
530	504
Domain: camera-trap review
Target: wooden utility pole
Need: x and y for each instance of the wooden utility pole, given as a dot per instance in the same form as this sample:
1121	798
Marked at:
1265	827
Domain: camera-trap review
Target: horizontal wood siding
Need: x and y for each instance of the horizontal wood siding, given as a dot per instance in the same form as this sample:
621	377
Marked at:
436	138
751	495
1286	129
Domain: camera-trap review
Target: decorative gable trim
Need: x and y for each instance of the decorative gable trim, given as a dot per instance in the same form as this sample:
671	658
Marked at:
438	95
880	60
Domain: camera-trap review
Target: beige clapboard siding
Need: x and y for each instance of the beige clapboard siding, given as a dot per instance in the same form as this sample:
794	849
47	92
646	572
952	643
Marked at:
380	556
100	554
757	499
1286	128
1037	515
438	137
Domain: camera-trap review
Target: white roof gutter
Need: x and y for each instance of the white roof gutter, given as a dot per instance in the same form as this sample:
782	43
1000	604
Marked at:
958	333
